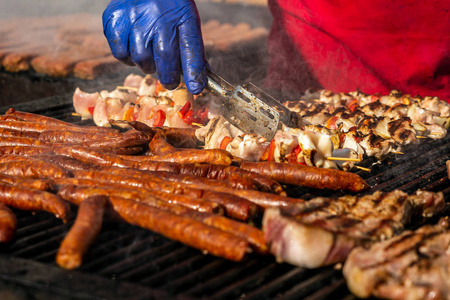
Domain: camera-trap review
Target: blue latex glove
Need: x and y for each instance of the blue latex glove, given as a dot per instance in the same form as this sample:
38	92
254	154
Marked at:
158	35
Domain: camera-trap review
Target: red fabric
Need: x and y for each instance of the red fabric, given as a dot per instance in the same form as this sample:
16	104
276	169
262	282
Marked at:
371	45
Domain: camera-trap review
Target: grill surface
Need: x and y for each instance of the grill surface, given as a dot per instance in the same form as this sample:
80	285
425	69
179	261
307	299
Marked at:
127	262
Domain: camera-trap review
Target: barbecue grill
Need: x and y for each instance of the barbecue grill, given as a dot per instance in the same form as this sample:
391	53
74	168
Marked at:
128	262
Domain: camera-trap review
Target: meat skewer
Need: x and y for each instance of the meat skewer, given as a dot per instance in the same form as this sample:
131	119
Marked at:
83	232
8	224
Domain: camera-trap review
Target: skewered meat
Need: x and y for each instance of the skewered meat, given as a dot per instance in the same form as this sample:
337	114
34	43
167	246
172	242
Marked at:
322	231
413	265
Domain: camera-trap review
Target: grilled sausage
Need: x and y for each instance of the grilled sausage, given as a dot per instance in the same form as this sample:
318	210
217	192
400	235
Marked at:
29	199
235	206
153	198
83	232
33	168
308	176
4	132
40	127
159	146
38	184
180	228
210	156
8	224
74	136
65	162
24	150
20	141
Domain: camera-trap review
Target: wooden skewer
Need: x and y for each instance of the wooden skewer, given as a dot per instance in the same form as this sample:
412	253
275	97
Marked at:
421	137
435	133
397	152
76	114
127	88
362	168
197	124
343	158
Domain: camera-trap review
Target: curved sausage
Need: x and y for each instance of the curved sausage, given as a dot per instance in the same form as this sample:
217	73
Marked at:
83	232
29	199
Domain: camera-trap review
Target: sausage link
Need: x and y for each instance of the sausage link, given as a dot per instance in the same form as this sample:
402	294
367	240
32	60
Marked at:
159	146
235	207
29	199
314	177
89	187
210	156
33	168
8	224
182	229
83	232
4	132
38	184
65	162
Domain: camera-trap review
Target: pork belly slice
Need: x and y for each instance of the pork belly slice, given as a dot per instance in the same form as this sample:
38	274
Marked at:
323	231
413	265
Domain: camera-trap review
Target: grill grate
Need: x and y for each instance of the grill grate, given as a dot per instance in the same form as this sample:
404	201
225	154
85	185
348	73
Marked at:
132	263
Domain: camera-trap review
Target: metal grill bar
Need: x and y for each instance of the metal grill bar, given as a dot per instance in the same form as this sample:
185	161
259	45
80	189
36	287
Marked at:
123	254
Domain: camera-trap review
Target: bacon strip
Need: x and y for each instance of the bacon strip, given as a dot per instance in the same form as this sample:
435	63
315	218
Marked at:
83	232
8	224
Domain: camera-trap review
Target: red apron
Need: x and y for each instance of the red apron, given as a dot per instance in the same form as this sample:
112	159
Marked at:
372	46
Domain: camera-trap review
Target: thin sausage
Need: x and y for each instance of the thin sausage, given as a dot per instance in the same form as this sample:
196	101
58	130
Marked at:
8	224
138	193
38	184
183	229
308	176
210	156
83	232
235	206
159	146
33	168
29	199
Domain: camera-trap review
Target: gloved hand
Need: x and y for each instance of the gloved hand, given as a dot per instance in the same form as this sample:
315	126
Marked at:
158	35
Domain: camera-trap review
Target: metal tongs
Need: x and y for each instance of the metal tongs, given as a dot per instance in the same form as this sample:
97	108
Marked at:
251	109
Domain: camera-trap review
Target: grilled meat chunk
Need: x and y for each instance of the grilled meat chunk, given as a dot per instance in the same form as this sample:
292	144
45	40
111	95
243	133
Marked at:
323	231
413	265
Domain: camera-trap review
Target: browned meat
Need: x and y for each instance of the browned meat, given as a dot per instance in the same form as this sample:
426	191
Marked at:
322	231
308	176
413	265
8	224
85	229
